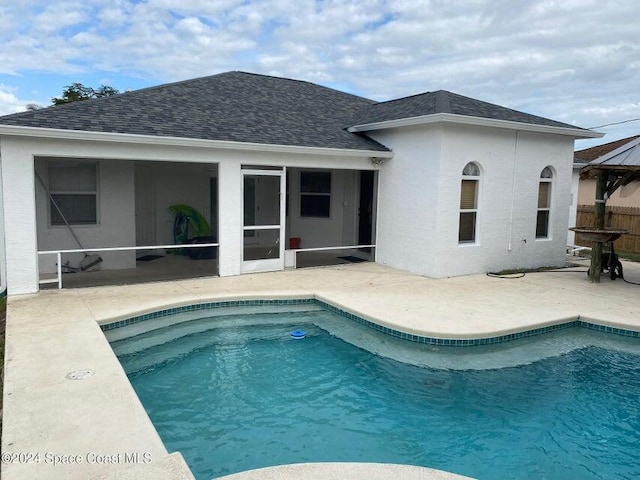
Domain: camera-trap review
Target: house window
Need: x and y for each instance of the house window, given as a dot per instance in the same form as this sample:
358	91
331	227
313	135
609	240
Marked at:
544	203
469	203
73	187
315	194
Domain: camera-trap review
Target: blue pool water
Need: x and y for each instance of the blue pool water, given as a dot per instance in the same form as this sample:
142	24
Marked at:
233	398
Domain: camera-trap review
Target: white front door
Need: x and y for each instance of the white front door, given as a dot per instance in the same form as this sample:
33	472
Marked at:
264	215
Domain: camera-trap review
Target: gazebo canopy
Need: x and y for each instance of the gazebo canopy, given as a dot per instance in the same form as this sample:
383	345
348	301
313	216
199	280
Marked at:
623	163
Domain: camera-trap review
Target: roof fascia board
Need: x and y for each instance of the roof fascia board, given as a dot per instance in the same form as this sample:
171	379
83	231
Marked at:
55	133
479	121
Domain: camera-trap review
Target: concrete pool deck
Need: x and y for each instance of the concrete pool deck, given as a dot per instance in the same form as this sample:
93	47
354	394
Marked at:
55	427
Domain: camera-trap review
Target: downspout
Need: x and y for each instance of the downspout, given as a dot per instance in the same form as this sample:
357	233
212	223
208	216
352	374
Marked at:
513	191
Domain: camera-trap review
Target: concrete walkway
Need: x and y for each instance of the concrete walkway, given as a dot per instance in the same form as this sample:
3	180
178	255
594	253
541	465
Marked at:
97	428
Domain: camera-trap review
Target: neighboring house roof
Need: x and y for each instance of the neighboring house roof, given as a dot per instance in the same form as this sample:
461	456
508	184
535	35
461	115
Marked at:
232	106
625	157
588	154
622	163
264	110
442	101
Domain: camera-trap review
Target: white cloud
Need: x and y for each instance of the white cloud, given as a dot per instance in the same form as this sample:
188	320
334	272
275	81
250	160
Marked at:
9	101
60	15
575	60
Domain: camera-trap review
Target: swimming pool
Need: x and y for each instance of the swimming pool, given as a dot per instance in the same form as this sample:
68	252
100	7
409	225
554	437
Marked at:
235	392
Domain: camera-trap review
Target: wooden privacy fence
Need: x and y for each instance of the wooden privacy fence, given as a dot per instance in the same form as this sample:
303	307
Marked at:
627	218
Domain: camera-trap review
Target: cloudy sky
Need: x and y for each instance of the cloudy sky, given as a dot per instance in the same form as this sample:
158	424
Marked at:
576	61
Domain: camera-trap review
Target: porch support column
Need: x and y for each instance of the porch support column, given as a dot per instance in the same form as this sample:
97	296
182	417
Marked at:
19	203
230	214
596	251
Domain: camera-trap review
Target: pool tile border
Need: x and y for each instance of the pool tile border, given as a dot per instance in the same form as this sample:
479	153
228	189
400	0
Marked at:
448	342
203	306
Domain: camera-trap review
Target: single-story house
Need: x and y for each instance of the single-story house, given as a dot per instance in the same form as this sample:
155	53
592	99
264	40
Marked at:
438	183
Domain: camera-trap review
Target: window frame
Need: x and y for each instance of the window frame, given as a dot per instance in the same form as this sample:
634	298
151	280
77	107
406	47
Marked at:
304	193
475	211
546	180
51	164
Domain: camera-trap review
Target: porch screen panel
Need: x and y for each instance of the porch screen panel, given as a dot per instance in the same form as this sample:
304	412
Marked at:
261	200
262	245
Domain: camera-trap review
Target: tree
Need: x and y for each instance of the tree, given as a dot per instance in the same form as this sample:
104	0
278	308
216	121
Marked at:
33	106
77	92
105	91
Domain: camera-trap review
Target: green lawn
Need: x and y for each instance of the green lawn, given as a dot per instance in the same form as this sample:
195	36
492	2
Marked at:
634	257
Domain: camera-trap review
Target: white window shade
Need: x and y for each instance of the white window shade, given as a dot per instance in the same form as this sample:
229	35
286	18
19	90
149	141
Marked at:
544	195
469	194
73	177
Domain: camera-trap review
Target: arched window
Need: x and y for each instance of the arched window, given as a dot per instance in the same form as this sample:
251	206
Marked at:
544	203
469	203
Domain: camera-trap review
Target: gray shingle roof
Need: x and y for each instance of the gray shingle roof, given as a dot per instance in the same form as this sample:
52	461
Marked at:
442	101
232	106
245	107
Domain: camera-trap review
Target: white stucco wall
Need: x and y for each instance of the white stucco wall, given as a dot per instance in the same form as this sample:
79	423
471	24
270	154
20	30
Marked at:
511	164
116	222
18	183
18	189
420	198
408	198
